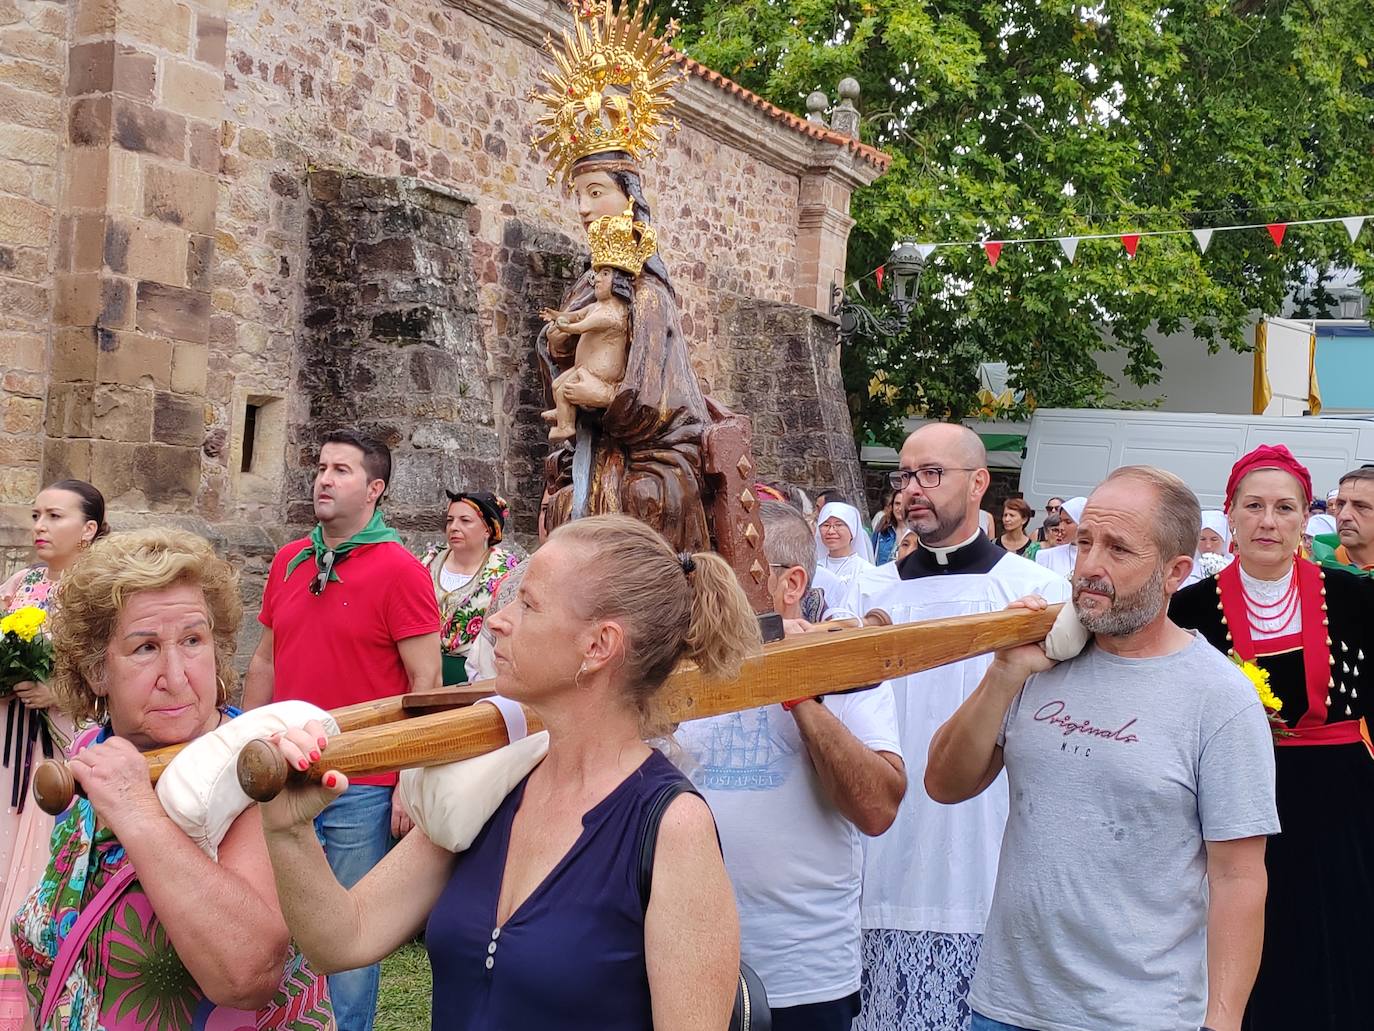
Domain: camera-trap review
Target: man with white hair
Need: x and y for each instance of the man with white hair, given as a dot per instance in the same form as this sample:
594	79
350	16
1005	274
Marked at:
794	787
1131	887
928	881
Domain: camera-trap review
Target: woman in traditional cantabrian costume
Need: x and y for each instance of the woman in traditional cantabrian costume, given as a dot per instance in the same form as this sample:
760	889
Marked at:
1310	628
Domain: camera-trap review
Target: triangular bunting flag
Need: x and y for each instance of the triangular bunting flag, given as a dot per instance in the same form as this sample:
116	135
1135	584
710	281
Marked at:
1353	226
1070	245
1276	231
1130	241
994	251
878	275
1203	238
925	250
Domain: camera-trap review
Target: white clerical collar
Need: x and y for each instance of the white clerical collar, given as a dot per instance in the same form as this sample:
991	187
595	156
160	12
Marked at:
942	554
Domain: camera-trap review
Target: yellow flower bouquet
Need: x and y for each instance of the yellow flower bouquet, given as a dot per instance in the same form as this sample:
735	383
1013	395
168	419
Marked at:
25	652
1272	703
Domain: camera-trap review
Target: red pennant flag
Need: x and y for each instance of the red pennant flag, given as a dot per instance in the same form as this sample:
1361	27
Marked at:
1130	241
994	251
1276	231
878	275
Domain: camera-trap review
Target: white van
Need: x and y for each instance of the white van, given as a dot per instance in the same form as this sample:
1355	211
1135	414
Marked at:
1070	451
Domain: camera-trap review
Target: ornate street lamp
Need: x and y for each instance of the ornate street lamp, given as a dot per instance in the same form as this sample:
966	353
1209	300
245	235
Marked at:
904	267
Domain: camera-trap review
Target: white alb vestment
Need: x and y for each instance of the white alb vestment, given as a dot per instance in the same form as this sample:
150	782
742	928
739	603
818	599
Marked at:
934	870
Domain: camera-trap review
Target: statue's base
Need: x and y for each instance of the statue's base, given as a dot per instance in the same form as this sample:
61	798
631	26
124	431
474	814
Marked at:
770	625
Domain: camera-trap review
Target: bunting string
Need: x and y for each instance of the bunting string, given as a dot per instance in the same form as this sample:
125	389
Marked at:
1130	241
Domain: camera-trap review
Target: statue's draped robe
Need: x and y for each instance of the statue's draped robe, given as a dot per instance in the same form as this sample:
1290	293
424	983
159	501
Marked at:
647	445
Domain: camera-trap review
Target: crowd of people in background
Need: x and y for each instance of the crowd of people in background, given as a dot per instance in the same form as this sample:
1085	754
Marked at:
1134	836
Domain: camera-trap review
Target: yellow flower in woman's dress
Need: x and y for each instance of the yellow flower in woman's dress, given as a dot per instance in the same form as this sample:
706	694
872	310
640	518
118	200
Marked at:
24	623
1259	677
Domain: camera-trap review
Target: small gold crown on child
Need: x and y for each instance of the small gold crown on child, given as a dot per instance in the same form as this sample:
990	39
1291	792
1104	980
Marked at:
618	241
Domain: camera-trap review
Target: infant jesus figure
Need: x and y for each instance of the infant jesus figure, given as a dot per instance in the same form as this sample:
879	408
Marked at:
620	247
603	349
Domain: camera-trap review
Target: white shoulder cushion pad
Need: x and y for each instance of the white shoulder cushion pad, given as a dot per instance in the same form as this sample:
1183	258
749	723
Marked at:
453	802
200	790
1068	636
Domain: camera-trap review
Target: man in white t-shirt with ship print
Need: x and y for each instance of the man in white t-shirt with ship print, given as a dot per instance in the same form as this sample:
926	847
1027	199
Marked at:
794	788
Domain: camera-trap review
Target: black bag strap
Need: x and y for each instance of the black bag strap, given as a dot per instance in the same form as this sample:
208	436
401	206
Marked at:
751	1012
648	839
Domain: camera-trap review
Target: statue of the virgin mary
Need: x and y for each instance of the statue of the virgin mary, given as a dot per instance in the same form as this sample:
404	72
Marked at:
638	449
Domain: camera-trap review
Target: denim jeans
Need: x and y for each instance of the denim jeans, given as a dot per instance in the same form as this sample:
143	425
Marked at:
356	832
982	1023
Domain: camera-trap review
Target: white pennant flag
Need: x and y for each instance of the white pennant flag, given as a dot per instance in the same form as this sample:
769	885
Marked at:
925	250
1353	226
1203	238
1070	245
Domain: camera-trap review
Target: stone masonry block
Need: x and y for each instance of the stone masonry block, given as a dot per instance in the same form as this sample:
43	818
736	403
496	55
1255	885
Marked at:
122	413
94	17
85	177
134	359
90	68
18	486
173	312
22	449
200	257
169	476
190	88
135	73
88	243
23	222
190	363
74	354
88	122
204	140
210	39
69	409
146	249
148	130
23	384
67	459
22	415
181	196
178	419
31	146
22	351
163	23
24	107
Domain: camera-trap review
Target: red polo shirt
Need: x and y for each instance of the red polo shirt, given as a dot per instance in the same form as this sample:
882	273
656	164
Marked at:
339	647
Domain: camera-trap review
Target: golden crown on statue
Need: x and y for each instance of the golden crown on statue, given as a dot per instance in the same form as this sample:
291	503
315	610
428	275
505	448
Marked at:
610	89
618	241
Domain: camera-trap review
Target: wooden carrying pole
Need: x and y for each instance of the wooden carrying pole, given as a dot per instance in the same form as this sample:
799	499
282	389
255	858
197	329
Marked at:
54	787
785	670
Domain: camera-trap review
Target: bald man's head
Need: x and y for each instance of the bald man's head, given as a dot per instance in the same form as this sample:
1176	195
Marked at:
959	444
947	513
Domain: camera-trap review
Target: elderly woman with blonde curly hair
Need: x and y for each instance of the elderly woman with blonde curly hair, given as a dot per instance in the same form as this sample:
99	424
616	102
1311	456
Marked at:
133	926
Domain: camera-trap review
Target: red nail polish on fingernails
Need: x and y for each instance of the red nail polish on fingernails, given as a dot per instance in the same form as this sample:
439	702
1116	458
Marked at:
323	741
330	780
314	756
302	764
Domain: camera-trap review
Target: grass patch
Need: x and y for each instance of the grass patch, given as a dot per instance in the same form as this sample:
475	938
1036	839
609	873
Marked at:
404	997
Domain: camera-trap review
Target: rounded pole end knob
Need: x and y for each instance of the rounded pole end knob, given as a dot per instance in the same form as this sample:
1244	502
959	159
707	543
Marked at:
54	787
262	770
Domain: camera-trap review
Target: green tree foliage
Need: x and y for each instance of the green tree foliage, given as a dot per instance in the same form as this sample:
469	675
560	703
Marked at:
1017	118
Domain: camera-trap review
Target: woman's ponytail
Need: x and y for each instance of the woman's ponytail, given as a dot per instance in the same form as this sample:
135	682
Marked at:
724	630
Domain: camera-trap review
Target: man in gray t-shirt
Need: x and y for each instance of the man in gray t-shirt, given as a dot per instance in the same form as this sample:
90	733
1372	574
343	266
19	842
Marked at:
1141	776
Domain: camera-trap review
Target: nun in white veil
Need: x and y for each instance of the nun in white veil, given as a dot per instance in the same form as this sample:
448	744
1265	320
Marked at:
1062	558
1213	547
844	550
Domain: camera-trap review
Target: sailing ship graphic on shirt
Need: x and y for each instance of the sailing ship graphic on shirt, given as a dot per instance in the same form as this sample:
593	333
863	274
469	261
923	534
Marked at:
744	753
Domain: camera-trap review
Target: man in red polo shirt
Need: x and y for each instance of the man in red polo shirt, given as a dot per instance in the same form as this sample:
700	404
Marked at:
349	615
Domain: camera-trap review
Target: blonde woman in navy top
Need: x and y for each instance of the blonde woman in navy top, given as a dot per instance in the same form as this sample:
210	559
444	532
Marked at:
540	923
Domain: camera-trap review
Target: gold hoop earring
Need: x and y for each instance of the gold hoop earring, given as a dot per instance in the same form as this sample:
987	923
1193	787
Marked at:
223	695
577	677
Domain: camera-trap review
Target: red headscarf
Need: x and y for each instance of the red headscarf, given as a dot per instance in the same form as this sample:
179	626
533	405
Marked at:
1268	457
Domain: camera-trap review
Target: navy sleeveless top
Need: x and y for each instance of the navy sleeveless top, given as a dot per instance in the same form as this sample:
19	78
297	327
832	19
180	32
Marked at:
572	955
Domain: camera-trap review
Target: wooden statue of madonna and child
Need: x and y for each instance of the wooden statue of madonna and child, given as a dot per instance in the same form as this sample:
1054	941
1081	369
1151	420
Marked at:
631	428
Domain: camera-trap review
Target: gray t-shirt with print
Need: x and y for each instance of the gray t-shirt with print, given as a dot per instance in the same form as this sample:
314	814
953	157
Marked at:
1119	770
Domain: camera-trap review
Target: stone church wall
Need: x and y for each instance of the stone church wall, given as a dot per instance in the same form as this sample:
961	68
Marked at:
226	226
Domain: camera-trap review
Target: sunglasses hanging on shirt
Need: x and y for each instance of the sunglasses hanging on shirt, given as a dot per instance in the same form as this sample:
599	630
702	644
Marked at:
321	580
